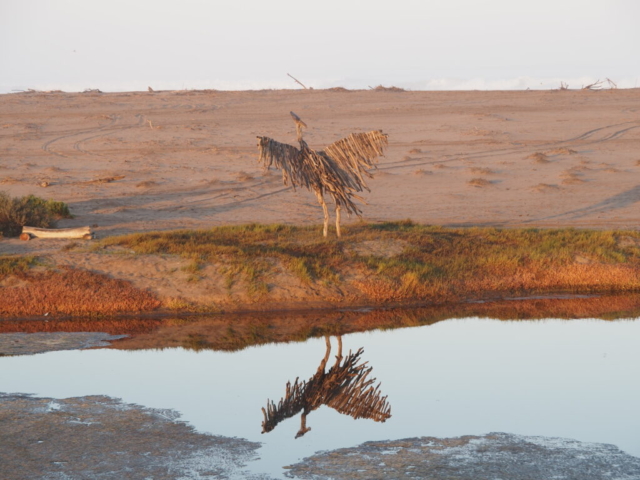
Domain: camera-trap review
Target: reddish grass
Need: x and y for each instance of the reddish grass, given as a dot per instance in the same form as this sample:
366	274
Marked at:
74	292
498	280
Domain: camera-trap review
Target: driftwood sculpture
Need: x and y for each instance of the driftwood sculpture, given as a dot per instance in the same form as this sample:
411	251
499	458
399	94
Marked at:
338	170
345	388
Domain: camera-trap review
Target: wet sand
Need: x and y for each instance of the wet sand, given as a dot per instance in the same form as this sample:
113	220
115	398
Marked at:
42	342
101	437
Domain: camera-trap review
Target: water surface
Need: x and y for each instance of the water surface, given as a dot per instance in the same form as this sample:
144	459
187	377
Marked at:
564	378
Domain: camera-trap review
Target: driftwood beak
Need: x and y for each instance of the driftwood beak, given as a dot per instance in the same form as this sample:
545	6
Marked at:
298	120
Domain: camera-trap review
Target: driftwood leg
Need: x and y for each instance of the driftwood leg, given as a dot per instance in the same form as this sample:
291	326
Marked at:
339	355
325	231
338	220
327	341
303	425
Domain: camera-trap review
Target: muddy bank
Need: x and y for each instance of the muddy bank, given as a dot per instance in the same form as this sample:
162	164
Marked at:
32	343
100	437
493	456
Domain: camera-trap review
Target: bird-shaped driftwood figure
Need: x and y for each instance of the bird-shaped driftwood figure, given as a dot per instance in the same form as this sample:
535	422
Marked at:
337	171
346	388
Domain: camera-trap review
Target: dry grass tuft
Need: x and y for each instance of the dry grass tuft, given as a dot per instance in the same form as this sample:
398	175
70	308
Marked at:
213	181
571	178
562	151
481	171
16	266
244	177
147	184
479	182
69	246
538	157
10	180
104	180
545	188
381	88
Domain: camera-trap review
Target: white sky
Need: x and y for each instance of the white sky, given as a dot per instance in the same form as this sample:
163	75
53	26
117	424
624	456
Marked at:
129	44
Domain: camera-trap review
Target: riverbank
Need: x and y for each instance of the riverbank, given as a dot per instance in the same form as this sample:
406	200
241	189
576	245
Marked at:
280	267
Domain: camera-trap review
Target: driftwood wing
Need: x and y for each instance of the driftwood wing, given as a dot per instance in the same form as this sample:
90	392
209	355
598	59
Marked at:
362	402
291	404
358	152
284	157
354	393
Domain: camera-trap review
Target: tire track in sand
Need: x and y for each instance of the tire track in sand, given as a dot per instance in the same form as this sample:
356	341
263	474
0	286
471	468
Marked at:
47	145
90	134
577	141
78	145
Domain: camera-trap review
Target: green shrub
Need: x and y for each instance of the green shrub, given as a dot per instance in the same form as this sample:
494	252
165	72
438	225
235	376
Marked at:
29	210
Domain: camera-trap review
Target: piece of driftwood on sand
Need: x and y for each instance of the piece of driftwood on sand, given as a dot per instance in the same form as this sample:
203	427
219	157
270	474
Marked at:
338	170
32	232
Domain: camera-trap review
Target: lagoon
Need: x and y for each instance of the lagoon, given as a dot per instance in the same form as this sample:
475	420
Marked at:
555	378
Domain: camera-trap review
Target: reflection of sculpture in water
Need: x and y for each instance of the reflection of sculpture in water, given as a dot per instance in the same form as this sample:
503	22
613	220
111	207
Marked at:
345	388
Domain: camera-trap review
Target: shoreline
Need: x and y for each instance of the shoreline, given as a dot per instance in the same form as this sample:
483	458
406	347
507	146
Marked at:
324	310
237	331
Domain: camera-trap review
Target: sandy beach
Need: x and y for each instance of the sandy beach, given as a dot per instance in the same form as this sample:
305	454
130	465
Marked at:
187	159
142	161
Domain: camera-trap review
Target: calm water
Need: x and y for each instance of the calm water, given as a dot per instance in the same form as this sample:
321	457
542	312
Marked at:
575	379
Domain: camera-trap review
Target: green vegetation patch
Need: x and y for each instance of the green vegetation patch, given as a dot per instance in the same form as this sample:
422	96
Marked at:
250	252
432	263
14	265
29	210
